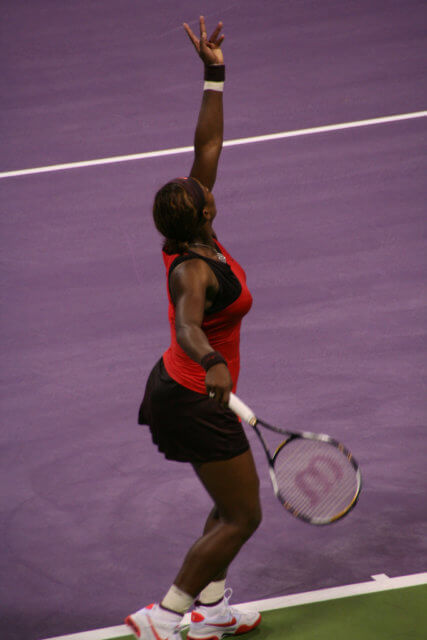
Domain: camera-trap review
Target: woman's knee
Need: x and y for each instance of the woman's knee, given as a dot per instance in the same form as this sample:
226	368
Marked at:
245	521
234	487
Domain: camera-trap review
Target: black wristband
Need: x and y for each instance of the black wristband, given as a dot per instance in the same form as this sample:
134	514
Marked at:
215	73
212	358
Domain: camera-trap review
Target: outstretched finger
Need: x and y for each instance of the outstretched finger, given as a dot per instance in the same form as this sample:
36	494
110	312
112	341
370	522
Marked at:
216	33
203	34
191	35
215	45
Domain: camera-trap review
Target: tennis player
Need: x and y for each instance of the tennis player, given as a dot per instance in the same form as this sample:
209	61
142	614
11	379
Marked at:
186	396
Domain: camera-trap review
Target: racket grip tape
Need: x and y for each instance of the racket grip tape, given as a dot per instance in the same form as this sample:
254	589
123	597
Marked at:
241	409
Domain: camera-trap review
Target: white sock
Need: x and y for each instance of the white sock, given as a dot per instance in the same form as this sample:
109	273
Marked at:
213	593
177	601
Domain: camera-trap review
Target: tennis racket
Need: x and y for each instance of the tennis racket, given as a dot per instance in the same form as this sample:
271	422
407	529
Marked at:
314	476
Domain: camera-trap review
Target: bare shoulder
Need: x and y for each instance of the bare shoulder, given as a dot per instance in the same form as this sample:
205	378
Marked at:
191	275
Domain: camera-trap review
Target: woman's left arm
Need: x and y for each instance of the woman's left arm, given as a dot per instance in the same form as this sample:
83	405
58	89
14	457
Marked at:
210	125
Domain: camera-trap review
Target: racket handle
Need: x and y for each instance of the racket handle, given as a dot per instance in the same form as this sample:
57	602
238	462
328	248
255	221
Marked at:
241	409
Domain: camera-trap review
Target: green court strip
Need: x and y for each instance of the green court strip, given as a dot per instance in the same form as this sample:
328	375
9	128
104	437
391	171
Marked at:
389	615
381	609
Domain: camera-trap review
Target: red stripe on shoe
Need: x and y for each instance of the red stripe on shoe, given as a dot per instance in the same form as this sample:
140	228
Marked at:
197	617
223	624
130	623
244	628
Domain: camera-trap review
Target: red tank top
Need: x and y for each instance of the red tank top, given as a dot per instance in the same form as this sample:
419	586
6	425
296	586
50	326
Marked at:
221	327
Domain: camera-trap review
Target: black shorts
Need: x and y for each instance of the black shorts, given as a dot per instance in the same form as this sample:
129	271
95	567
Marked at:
188	426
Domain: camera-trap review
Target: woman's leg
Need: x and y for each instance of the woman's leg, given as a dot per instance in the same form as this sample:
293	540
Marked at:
212	521
234	487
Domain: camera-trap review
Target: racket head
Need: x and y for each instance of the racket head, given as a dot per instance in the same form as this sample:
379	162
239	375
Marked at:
316	478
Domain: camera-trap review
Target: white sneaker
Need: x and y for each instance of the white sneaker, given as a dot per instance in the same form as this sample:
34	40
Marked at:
150	623
213	623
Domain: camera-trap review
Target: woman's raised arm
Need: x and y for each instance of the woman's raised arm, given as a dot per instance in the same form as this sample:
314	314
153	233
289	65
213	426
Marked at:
210	125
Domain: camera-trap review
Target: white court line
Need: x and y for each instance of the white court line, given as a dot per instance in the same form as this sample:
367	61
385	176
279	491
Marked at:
380	577
380	582
227	143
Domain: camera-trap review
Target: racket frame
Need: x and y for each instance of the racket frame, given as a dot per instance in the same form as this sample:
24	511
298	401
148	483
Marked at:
248	416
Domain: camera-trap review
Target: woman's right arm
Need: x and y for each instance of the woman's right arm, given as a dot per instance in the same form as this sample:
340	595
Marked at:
189	283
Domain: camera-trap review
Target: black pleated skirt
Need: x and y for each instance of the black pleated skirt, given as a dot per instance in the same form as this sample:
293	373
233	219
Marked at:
188	426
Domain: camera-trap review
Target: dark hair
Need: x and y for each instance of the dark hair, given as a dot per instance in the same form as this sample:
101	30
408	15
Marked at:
176	218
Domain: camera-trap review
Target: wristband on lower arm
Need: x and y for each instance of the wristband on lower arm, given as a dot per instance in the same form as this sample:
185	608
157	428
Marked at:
212	358
214	77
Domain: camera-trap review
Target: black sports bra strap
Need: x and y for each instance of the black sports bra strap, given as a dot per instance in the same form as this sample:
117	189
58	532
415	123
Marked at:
229	286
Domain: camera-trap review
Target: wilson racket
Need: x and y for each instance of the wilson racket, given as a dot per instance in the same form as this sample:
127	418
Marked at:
314	476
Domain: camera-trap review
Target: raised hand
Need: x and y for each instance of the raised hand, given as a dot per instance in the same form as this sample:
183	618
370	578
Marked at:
209	50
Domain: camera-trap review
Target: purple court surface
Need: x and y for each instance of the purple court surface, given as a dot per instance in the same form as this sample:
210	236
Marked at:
330	228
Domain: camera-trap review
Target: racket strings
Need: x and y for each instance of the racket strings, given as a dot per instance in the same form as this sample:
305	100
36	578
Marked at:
315	479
